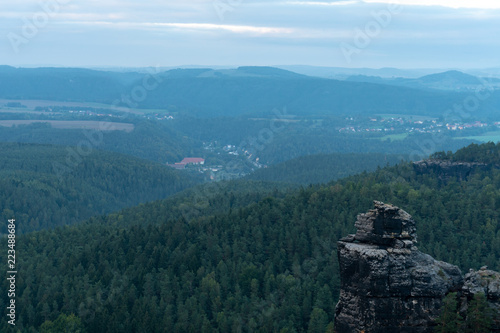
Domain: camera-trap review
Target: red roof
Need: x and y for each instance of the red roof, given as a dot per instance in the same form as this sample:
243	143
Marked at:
194	160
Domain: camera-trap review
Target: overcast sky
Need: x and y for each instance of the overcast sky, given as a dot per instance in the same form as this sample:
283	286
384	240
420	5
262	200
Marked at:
132	33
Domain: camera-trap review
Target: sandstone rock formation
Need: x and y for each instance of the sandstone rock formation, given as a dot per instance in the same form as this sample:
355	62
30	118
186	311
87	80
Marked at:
448	169
487	282
387	284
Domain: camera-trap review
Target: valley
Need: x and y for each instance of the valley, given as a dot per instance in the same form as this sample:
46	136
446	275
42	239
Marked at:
211	220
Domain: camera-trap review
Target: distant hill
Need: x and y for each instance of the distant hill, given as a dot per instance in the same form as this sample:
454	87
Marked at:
342	73
453	77
155	141
322	168
446	81
64	84
47	186
233	92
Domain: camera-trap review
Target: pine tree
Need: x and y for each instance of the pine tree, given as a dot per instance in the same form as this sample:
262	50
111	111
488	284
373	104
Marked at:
63	324
479	315
449	321
318	321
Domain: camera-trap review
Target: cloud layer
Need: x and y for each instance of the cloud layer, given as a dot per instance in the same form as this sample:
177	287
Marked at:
350	33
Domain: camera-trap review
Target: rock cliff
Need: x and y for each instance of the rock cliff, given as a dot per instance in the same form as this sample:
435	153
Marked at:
387	284
448	169
487	282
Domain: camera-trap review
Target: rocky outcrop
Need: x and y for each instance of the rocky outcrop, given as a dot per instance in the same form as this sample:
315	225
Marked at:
447	169
487	282
387	284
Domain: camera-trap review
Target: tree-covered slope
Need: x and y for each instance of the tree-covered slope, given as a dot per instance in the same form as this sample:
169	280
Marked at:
270	266
64	84
488	153
322	168
149	140
46	186
246	90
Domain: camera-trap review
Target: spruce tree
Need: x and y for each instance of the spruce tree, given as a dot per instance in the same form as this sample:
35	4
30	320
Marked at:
449	321
479	315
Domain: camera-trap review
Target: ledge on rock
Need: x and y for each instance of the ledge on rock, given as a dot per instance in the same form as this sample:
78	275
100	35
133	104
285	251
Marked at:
486	282
448	169
384	225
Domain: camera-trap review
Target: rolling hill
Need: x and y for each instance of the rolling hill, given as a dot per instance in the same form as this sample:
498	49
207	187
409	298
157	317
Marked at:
47	186
269	264
234	92
445	81
323	168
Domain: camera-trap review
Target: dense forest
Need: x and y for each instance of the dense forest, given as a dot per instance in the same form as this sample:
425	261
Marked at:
488	153
47	186
149	140
212	93
323	168
243	261
170	141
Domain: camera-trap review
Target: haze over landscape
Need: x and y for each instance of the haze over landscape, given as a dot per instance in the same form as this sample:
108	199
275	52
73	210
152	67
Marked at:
403	34
250	166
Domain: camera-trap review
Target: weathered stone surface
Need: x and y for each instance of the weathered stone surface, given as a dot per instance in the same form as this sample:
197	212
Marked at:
384	225
387	285
487	282
448	169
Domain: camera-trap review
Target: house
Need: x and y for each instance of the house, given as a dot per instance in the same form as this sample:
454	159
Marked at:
188	160
193	160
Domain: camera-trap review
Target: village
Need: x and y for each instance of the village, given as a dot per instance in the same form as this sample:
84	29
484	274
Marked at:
408	125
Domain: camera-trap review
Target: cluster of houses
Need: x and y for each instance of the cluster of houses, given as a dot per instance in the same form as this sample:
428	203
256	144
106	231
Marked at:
409	126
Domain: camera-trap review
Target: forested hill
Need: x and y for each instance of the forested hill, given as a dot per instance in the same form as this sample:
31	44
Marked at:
63	84
323	168
239	263
214	93
153	141
488	153
46	186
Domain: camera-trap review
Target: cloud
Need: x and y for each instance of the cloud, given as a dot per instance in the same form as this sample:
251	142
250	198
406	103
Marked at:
477	4
239	29
425	33
320	3
230	28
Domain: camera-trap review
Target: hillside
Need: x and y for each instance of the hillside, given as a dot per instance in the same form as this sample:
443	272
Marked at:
270	265
230	94
63	84
153	141
447	81
47	186
211	93
323	168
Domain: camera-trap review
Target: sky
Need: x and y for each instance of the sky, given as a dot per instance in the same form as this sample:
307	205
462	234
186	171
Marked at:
335	33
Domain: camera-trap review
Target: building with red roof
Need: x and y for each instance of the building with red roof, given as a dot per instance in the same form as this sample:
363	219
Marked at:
193	160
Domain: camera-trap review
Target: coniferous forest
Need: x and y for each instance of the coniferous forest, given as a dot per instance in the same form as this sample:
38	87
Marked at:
243	256
231	166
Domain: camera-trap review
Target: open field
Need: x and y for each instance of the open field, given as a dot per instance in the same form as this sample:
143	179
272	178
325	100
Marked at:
407	116
77	124
32	104
395	137
24	111
493	136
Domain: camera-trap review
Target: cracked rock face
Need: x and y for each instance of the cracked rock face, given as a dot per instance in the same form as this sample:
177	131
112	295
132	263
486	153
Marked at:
384	225
387	285
447	169
487	282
